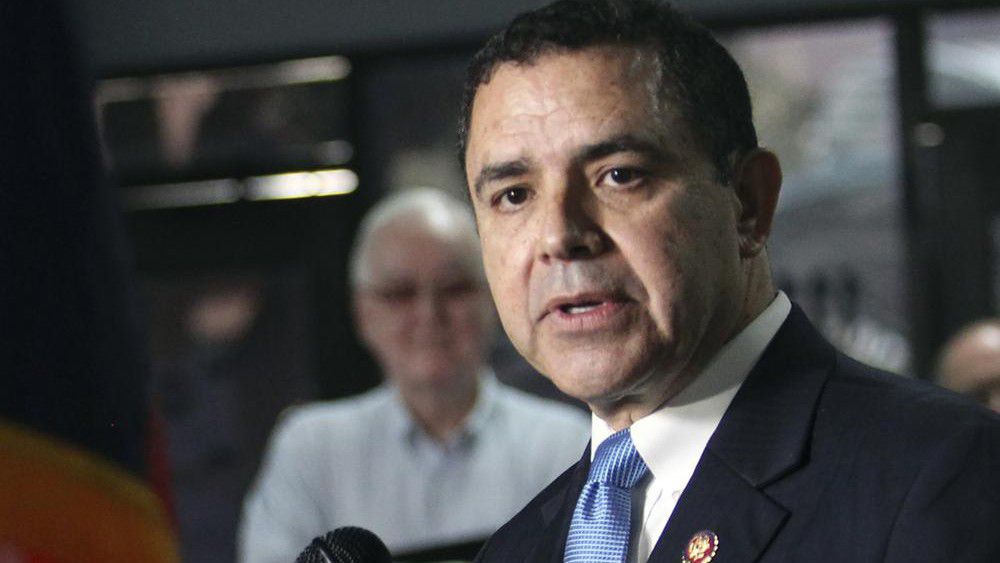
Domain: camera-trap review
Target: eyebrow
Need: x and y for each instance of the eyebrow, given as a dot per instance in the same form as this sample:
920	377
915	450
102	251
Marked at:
619	144
500	171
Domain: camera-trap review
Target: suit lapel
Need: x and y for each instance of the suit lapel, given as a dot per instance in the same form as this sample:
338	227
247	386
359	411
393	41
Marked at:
554	515
763	437
719	500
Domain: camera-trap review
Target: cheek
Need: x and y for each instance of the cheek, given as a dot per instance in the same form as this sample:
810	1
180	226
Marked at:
390	347
504	272
391	335
372	325
469	319
507	305
508	297
698	261
669	263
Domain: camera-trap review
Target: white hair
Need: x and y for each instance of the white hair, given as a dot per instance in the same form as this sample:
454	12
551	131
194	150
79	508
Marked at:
429	208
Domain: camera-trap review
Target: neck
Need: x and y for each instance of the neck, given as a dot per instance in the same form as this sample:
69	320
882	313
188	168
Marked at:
442	410
625	411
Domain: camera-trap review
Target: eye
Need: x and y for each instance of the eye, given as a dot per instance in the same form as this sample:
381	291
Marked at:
458	289
396	294
511	198
622	177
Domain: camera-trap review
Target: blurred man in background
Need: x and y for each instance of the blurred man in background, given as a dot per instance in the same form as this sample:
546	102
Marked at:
434	456
969	363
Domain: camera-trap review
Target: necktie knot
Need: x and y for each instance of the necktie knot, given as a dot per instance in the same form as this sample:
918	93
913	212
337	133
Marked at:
599	530
616	462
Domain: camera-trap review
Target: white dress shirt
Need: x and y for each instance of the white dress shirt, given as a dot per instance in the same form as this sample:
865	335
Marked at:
363	461
672	438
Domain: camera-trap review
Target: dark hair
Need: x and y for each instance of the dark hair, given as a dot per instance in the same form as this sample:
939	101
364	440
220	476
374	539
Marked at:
700	75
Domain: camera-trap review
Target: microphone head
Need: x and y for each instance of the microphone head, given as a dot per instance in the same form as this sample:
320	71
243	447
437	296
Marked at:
346	545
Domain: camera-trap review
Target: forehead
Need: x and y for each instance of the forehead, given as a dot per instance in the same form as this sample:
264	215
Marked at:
562	86
413	247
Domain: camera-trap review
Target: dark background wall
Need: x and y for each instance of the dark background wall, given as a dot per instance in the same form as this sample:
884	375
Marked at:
134	34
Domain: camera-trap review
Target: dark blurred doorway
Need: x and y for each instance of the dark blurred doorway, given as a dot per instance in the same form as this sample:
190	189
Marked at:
958	175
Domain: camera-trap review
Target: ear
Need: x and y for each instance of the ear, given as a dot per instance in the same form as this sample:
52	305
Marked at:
360	316
757	183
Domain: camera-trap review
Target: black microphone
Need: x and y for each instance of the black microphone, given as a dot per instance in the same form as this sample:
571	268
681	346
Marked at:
346	545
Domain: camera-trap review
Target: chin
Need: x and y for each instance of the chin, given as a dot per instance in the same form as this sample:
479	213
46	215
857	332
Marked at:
604	379
438	373
592	384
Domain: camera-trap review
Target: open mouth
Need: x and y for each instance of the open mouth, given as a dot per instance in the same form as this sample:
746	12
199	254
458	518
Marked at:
584	306
580	307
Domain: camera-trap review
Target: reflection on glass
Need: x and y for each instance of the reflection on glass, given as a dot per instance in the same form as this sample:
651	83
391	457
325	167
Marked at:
197	125
963	57
288	185
825	103
229	351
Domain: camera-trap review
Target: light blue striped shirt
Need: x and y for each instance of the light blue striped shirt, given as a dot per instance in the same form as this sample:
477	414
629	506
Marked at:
364	462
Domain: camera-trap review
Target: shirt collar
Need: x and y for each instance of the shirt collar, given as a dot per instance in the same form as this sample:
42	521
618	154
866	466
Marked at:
684	424
401	423
486	401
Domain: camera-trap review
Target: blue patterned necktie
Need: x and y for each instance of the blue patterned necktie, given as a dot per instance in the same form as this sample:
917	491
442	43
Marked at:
599	531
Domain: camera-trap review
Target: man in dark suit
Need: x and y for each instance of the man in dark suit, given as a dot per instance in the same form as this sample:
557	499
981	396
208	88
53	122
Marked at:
623	205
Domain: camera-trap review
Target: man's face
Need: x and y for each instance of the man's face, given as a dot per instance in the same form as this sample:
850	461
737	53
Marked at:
611	251
972	366
424	312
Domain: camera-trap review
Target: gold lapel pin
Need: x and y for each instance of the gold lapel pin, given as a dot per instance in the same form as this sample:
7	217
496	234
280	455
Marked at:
701	548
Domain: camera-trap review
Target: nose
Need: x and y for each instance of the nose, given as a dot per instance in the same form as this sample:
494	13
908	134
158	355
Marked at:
570	231
430	307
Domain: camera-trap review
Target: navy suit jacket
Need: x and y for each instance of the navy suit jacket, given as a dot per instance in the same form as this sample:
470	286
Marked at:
818	459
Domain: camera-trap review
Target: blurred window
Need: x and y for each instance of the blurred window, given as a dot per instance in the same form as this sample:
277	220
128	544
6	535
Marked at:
269	131
963	57
824	101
